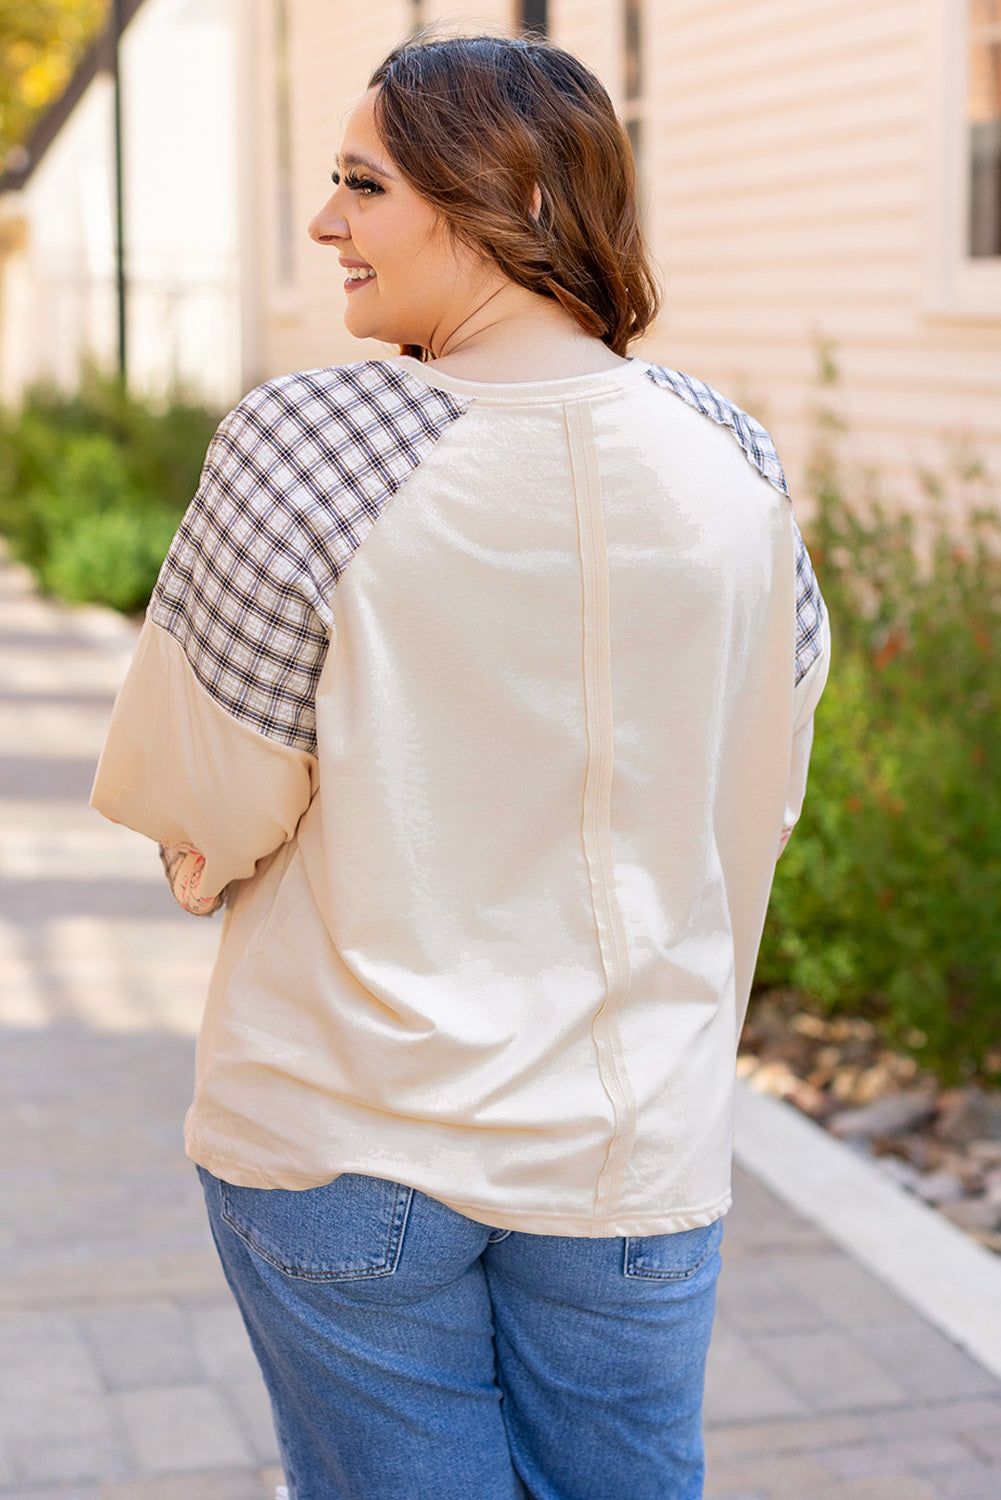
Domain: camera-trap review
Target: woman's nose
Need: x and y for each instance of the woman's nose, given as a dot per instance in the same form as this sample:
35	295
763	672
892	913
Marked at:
327	226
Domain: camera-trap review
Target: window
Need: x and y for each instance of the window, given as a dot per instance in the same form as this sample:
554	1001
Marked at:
984	116
632	50
533	15
632	76
963	234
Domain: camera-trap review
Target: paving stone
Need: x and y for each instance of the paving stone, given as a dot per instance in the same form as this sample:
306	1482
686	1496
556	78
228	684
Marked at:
741	1387
733	1441
148	1344
987	1440
895	1487
841	1289
110	1280
252	1406
962	1418
754	1295
64	1492
41	1354
970	1481
766	1224
176	1428
925	1362
207	1484
63	1435
827	1370
221	1341
869	1460
53	1419
763	1475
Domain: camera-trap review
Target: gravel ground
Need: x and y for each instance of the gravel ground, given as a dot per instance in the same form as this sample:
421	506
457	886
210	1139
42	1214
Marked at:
942	1144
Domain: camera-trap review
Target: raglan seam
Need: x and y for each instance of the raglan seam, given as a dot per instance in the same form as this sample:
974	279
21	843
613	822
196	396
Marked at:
294	481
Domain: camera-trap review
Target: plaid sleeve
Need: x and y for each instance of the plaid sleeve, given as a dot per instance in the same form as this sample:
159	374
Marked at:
810	610
760	452
294	480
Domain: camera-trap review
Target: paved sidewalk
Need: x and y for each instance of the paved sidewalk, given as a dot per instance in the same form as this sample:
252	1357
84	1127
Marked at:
124	1370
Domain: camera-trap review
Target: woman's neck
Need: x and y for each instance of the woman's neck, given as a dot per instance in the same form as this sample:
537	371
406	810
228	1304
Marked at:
522	337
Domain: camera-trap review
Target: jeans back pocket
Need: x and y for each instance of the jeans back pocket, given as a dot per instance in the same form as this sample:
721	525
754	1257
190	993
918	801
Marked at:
671	1257
346	1230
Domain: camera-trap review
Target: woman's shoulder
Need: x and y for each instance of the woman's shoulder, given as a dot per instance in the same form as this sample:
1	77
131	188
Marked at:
754	439
342	435
334	399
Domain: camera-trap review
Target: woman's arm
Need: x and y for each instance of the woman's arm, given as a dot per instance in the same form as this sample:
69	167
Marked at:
211	748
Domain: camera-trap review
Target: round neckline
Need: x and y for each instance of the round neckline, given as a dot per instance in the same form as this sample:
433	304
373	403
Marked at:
564	388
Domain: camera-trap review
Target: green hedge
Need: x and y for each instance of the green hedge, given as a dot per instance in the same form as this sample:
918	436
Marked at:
92	488
888	898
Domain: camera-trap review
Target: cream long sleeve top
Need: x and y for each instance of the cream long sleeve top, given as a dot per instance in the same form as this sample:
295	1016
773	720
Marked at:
488	708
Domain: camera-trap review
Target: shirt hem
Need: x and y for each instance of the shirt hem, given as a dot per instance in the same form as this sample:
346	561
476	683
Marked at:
587	1226
575	1226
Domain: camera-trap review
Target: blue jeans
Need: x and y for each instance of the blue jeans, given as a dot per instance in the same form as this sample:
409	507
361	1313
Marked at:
412	1354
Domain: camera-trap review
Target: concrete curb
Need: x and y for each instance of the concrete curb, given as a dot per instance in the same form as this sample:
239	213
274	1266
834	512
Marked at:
936	1268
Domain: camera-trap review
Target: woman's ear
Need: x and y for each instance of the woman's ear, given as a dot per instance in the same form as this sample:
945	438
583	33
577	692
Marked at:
535	208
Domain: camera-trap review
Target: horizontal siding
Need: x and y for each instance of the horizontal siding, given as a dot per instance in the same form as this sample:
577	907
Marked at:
787	181
825	169
809	244
865	114
752	296
744	37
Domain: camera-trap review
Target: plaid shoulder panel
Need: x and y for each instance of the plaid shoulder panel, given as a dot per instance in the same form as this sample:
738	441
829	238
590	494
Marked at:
760	451
751	436
810	610
294	480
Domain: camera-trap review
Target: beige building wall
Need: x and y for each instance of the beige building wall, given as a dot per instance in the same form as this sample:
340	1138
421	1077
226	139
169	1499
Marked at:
804	166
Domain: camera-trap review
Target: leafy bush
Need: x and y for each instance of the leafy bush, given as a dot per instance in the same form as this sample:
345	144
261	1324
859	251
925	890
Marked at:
888	898
92	487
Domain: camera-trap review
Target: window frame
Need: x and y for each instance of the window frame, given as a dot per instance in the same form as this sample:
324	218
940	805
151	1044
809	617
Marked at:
957	284
633	103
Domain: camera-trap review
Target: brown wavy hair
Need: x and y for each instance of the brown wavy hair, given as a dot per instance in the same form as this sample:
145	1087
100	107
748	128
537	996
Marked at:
478	124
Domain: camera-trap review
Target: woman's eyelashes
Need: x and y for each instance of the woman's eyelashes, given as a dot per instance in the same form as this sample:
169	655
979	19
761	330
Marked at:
357	184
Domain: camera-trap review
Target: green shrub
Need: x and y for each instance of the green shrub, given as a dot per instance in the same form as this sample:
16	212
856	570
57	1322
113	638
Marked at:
888	898
92	487
112	557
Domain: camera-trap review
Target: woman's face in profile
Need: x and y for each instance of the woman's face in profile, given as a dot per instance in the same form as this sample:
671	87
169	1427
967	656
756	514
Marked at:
408	281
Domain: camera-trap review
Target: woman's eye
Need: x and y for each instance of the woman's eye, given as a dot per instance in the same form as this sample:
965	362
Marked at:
363	185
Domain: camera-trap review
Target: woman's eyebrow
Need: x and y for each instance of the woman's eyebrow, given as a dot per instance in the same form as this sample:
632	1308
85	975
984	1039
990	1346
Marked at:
350	159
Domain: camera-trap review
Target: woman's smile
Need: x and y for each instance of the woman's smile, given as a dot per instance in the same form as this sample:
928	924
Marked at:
357	274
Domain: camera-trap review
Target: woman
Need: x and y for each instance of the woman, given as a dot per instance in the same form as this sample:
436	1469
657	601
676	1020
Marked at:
479	683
